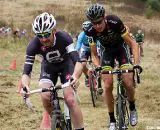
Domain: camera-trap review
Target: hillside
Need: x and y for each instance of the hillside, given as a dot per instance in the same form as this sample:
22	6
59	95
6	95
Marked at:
70	14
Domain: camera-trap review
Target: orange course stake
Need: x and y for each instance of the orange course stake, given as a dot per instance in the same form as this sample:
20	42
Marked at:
13	65
46	123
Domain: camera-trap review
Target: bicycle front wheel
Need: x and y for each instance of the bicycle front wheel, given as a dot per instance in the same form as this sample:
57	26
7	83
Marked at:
58	123
92	85
121	112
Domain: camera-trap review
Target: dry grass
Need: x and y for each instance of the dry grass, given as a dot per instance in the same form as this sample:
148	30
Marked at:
14	115
70	14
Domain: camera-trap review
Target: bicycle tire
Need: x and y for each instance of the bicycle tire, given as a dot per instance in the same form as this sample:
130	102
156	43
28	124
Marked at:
121	110
68	124
92	89
58	123
120	116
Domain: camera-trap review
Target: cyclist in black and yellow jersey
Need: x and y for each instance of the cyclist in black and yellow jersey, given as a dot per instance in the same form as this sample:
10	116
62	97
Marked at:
114	38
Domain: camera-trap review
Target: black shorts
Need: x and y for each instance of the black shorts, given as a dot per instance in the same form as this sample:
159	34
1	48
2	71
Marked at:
120	53
50	72
84	55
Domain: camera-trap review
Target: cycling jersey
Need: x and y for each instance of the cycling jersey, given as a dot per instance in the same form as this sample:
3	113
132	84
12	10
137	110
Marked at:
82	42
82	46
111	39
139	37
55	59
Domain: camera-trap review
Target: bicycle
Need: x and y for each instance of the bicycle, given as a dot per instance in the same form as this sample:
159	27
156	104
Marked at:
122	114
59	120
94	84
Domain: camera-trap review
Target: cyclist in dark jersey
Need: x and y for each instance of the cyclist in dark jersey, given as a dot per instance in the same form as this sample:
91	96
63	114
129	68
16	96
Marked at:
114	38
58	58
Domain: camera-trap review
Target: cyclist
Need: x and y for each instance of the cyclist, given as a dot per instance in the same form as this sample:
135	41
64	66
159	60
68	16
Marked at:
82	42
58	55
82	47
114	38
139	36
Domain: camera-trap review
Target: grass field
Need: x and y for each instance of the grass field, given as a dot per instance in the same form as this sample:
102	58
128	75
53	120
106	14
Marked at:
13	113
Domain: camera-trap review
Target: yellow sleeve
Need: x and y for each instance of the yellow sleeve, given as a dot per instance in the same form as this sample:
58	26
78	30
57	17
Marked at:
126	31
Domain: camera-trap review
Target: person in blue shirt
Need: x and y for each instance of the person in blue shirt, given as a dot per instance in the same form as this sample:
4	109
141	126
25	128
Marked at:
83	49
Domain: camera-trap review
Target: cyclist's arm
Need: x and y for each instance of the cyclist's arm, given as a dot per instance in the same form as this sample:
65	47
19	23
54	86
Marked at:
134	46
73	53
78	70
124	30
29	61
25	80
94	55
79	41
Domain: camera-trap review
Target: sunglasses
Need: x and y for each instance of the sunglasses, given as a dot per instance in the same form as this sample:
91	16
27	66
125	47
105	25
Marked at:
43	35
97	22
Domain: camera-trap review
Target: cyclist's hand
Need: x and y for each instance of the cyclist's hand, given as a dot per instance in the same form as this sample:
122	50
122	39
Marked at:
25	91
99	68
138	68
73	81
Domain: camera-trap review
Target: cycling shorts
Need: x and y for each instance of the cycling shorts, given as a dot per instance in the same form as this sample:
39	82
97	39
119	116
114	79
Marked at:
84	55
120	53
50	72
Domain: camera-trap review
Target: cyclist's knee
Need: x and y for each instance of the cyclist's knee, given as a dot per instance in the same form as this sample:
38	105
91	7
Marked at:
108	88
45	97
129	82
70	101
108	80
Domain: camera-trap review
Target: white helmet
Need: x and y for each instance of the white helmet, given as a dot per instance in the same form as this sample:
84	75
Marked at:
85	25
43	23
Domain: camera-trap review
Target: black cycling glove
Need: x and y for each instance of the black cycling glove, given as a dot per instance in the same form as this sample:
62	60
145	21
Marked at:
99	68
138	67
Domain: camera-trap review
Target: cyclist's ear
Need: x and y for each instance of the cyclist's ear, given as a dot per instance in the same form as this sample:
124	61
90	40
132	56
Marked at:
54	31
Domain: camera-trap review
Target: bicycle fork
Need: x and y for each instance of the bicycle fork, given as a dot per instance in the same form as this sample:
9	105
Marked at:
67	117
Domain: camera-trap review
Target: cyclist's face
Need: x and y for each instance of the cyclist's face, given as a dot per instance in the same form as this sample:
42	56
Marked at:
46	38
99	25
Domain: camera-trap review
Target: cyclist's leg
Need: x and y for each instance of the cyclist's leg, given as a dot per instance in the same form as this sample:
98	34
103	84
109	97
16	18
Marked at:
70	99
108	63
141	50
45	82
84	55
124	61
127	77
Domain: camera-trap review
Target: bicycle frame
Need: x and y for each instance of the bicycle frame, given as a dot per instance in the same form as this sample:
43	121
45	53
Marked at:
58	121
94	83
121	108
122	114
57	117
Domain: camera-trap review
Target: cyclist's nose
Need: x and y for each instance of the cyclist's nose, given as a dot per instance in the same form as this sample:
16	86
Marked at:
97	25
43	39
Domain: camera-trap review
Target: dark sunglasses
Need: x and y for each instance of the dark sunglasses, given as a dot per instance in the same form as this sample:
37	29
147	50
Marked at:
97	22
43	35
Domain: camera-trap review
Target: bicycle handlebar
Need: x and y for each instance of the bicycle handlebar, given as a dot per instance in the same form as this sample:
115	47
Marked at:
51	89
119	71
